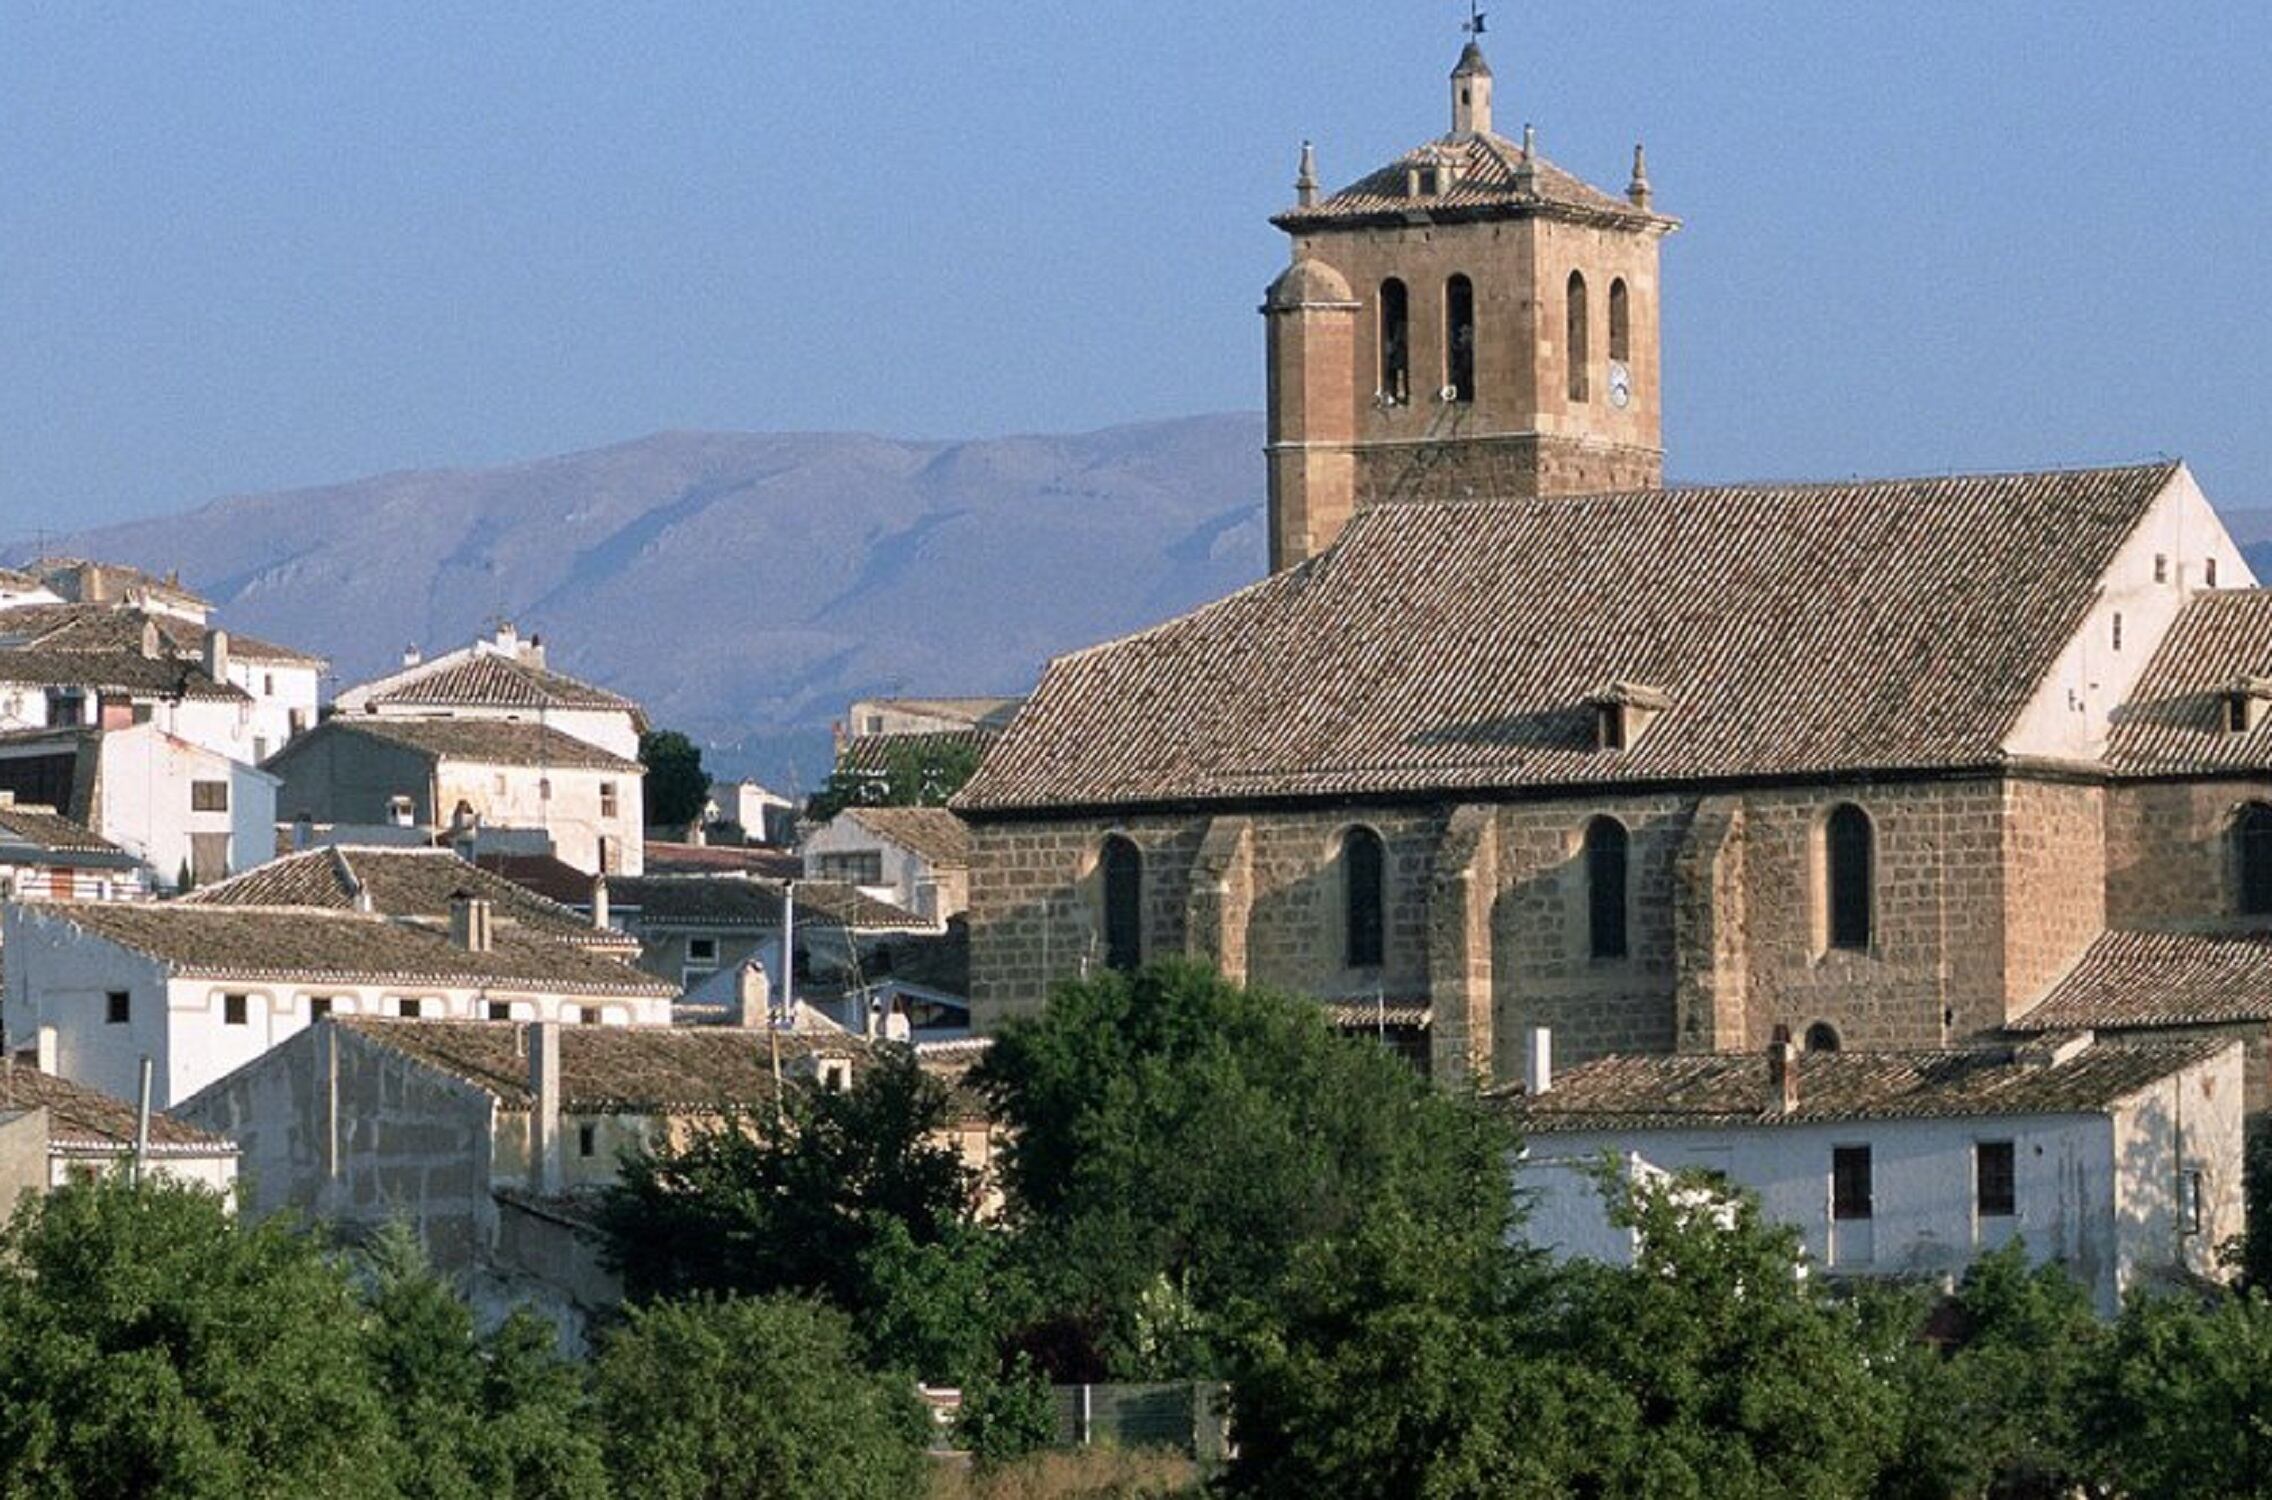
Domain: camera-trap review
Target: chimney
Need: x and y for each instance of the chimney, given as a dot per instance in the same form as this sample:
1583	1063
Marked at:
470	922
44	1050
508	639
1538	1062
152	646
753	996
599	902
1782	1073
411	655
217	655
303	832
544	1106
533	652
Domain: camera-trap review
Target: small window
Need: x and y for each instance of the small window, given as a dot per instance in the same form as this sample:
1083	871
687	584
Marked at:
1123	871
852	866
2192	1201
1428	178
500	1010
1607	854
1577	338
702	950
1363	888
1459	339
233	1009
1848	857
1850	1182
1620	322
2118	630
409	1007
2161	567
2252	836
319	1006
118	1008
587	1140
209	796
400	811
590	1015
607	799
2209	572
1822	1037
268	684
1995	1180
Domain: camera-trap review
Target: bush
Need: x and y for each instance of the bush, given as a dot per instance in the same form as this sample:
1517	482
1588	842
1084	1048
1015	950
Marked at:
1008	1416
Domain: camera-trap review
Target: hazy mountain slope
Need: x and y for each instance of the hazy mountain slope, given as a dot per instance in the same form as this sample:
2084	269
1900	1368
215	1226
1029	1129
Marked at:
745	586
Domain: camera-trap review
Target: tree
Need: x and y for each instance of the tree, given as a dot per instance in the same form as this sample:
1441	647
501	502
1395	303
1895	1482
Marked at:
852	1195
152	1345
2175	1405
754	1399
1174	1138
677	789
501	1416
916	770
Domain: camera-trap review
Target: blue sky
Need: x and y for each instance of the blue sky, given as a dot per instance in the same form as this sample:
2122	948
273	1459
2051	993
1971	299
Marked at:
251	246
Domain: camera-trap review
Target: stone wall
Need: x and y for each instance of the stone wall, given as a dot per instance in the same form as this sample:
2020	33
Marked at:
2169	850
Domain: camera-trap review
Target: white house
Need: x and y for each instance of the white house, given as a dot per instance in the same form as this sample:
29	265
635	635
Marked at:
54	1131
763	815
470	780
202	989
177	806
2122	1161
503	677
917	858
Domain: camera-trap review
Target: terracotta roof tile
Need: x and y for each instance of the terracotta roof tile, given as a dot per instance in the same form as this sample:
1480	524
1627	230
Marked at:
634	1069
401	883
489	742
665	858
739	901
489	680
116	671
46	829
1684	1091
313	944
1441	647
1484	174
934	833
2130	979
85	1119
2174	717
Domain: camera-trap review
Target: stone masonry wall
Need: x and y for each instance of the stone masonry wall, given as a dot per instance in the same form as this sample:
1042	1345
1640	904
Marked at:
2169	851
2055	883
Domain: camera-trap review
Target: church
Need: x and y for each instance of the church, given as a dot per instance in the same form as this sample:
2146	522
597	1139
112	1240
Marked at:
1514	737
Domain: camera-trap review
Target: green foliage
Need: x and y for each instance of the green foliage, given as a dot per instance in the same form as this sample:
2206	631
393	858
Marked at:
2182	1403
151	1345
501	1416
1175	1139
754	1399
676	788
1007	1416
851	1197
918	770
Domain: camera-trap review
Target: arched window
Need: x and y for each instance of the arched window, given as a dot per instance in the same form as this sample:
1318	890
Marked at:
1459	338
1578	342
1848	869
1396	342
1606	855
1363	892
1822	1037
1620	323
1123	868
2252	836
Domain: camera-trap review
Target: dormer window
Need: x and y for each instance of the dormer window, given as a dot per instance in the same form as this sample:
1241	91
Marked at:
2243	703
1623	712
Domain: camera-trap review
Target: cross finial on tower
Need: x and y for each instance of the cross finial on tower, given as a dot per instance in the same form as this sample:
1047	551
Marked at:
1476	16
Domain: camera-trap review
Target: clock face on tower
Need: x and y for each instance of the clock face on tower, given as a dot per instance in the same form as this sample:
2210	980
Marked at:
1620	384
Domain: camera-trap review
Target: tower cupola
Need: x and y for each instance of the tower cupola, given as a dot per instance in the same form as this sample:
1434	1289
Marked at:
1471	93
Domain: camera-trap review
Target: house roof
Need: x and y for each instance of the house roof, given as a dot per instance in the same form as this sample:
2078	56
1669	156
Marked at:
1795	630
739	901
603	1069
489	742
118	671
1485	181
2174	719
488	679
81	1119
871	754
932	833
2133	980
116	627
314	944
401	882
45	829
1723	1089
666	858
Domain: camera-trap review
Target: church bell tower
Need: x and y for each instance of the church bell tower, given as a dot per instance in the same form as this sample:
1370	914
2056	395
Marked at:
1468	321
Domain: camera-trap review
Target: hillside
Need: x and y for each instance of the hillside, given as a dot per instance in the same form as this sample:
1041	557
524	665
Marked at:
745	586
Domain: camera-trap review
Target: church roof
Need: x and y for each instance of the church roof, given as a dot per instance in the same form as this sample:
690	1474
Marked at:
1484	179
2141	980
2174	719
1795	630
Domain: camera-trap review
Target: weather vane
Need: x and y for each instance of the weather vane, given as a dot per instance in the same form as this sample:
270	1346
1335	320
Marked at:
1476	16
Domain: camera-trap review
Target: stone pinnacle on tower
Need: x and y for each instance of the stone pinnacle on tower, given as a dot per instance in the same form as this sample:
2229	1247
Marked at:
1471	82
1637	191
1305	182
